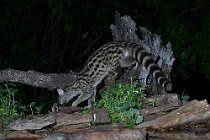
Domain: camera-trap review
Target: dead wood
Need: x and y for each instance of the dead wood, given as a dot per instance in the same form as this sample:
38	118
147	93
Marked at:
192	113
35	123
37	79
125	29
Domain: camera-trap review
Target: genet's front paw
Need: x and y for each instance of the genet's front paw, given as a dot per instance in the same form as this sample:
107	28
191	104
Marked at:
75	104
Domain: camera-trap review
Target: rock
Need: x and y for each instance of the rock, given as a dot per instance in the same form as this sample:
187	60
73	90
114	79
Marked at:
101	116
20	135
32	124
70	109
63	119
57	136
114	134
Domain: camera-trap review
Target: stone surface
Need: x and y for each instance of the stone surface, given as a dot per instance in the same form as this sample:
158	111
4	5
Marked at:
101	116
35	123
70	109
191	119
63	119
23	135
115	134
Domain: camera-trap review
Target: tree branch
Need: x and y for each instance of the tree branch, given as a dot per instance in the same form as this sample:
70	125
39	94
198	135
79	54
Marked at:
37	79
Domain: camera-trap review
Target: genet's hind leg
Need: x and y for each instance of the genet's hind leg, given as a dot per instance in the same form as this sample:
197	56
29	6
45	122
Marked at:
84	96
91	100
113	75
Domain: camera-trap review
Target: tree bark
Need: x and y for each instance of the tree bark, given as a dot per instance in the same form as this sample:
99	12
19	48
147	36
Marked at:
37	79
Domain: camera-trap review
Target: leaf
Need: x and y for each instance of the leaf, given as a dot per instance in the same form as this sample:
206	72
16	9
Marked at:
139	119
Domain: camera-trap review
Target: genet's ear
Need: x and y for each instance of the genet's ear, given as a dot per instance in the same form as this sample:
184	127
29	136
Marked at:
60	92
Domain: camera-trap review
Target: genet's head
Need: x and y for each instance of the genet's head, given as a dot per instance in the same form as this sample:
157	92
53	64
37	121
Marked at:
61	98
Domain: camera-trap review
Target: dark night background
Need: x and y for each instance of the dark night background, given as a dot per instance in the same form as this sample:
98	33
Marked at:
58	36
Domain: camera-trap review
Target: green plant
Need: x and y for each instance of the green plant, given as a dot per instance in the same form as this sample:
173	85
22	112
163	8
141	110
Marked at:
185	97
54	107
123	103
10	107
36	108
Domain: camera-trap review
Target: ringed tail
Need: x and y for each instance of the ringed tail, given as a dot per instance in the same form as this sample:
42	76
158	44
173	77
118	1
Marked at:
146	59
